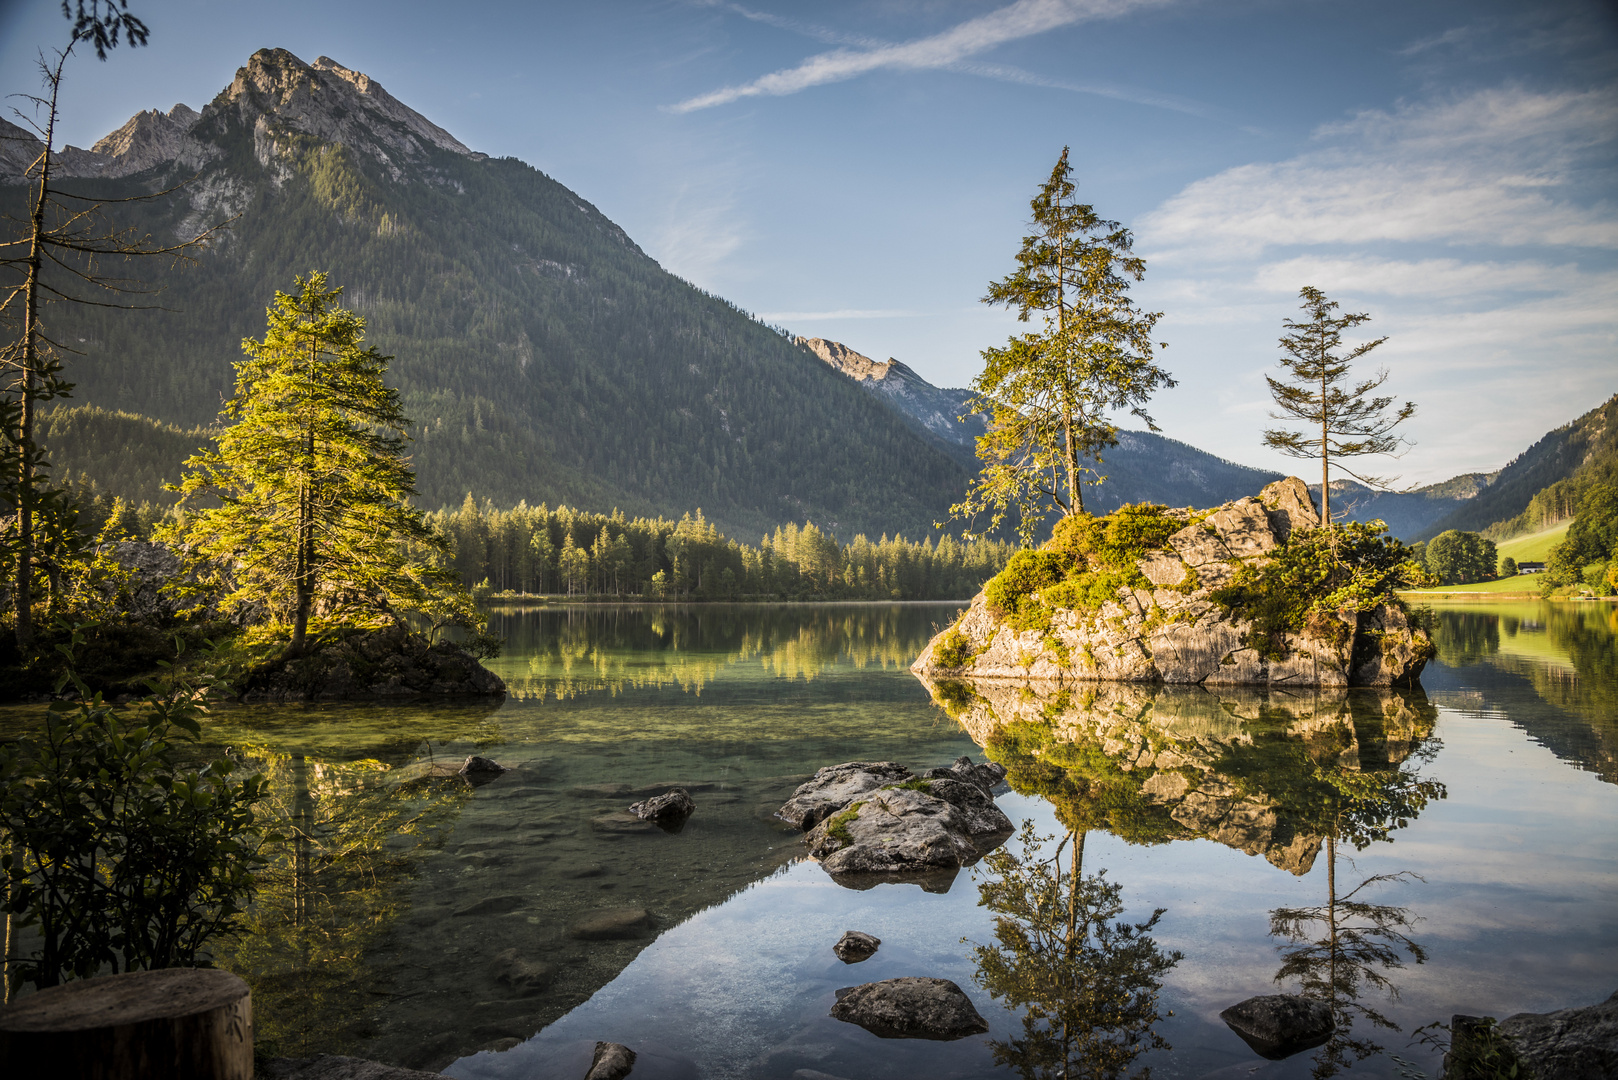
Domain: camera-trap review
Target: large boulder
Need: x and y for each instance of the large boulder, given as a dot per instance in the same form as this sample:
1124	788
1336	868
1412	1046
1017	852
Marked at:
390	662
892	830
1280	1025
834	787
1569	1044
667	811
910	1008
1167	627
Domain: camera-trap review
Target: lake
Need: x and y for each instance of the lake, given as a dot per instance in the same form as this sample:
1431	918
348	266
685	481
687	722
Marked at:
1465	835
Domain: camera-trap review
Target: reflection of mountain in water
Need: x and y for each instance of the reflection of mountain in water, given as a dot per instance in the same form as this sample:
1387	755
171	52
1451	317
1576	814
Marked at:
562	652
1568	654
1262	773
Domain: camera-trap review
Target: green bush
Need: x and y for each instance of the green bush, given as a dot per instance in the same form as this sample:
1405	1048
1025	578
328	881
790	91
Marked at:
120	852
1026	573
953	650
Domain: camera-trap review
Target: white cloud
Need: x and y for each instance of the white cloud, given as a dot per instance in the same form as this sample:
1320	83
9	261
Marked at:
1366	275
1495	168
1025	18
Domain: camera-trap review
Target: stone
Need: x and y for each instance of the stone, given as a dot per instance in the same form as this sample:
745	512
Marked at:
337	1067
612	924
492	905
1569	1044
389	662
612	1061
985	823
1173	632
1280	1025
151	569
525	978
668	811
475	764
893	830
912	1007
854	947
621	823
834	787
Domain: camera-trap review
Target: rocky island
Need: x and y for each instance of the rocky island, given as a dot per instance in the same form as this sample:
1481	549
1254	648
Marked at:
1254	592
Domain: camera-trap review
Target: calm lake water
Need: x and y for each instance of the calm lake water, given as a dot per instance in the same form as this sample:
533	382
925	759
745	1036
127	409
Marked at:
497	931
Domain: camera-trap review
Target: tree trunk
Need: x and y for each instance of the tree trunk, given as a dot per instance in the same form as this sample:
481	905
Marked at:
177	1023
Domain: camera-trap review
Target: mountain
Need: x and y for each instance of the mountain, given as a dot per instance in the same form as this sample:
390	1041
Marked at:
1143	467
1408	514
1545	483
541	353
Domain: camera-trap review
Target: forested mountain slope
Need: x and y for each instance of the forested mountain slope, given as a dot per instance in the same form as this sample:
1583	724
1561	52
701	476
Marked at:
542	355
1546	482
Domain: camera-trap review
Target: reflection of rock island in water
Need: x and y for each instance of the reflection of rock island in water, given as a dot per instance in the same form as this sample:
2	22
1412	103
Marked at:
1146	610
1150	764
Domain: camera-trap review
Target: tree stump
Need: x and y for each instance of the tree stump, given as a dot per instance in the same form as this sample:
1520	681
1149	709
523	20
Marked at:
178	1024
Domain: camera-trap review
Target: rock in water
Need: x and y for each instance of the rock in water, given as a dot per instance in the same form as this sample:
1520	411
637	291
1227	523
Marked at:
1163	622
480	770
525	977
612	1061
612	924
668	810
1569	1044
391	662
910	1008
891	831
854	947
1280	1025
834	787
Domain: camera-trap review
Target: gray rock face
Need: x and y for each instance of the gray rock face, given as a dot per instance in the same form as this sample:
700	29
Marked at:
1173	632
893	830
151	568
854	946
1569	1044
910	1008
834	787
612	1061
392	662
668	810
1280	1025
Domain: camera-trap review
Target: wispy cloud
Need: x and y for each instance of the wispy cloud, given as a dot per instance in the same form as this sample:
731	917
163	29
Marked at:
1496	167
1023	19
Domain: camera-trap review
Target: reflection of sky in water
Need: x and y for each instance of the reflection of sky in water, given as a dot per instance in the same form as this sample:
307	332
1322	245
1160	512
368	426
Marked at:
1517	913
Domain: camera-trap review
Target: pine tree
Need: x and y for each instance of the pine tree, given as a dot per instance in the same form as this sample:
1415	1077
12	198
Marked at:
313	482
1351	421
1049	395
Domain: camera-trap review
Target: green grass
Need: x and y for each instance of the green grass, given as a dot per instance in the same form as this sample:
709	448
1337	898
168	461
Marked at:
1522	583
1533	547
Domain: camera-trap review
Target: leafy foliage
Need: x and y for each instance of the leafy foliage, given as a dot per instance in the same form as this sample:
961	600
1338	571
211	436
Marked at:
1315	577
1086	983
1460	558
120	851
1049	394
1591	539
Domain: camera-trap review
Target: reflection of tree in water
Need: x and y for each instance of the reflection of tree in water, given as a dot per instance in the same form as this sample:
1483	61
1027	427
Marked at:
347	837
1087	985
1346	947
577	650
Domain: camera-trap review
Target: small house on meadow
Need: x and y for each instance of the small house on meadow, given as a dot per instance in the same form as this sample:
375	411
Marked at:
1530	568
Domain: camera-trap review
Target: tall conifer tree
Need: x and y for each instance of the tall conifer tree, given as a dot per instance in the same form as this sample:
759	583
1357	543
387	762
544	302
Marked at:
313	481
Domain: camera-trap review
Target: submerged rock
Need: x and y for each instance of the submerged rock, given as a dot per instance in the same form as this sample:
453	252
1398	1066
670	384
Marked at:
524	977
390	662
1569	1044
612	1061
854	947
612	924
480	770
1167	627
834	787
910	1008
1280	1025
667	811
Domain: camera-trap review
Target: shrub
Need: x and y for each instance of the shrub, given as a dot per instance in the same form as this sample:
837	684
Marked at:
121	853
1027	572
953	650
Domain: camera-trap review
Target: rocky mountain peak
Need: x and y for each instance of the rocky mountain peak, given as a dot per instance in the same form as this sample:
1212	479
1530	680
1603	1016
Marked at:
275	93
855	365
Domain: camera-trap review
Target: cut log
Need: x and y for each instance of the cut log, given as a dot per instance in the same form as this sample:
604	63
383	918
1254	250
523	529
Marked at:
179	1023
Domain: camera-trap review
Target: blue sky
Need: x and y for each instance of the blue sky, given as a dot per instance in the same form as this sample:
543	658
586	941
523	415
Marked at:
860	171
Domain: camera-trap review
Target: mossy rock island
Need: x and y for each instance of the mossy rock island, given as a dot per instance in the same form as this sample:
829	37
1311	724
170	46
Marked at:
1252	593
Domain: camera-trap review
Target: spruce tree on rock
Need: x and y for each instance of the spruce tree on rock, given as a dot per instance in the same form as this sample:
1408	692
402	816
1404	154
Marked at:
1344	420
313	482
1050	394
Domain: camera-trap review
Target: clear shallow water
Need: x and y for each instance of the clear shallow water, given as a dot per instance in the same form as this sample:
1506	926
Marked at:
415	919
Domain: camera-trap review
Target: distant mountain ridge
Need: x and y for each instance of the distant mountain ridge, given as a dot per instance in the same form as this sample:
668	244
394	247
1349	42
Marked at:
541	353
